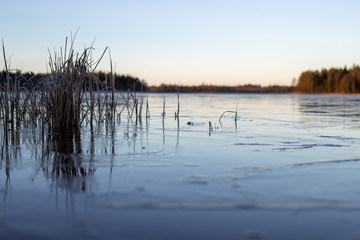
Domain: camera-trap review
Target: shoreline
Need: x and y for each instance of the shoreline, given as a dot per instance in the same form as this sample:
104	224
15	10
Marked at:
270	93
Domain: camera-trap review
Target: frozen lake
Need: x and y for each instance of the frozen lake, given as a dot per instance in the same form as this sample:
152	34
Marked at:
287	168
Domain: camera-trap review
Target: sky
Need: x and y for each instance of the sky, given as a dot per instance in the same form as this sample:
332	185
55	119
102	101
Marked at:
188	42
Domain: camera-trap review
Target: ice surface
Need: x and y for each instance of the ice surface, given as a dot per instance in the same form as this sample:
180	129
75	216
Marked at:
293	158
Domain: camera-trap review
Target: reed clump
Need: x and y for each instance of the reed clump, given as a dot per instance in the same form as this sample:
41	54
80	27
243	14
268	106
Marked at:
12	100
62	99
70	95
68	92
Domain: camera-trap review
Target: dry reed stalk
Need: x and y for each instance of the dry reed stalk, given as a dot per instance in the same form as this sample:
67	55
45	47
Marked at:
163	112
177	116
141	108
5	100
235	112
178	98
141	103
112	90
147	108
236	115
228	112
125	104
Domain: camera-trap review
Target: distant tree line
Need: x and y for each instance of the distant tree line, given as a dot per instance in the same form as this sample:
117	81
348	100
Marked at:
334	80
128	82
122	82
204	88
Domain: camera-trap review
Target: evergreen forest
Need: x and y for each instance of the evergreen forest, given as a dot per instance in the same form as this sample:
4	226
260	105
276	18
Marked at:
333	80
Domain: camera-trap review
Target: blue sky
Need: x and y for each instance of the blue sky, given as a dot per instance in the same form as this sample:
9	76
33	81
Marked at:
223	42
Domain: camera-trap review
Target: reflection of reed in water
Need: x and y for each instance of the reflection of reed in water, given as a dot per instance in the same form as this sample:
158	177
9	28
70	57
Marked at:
9	151
68	169
5	155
